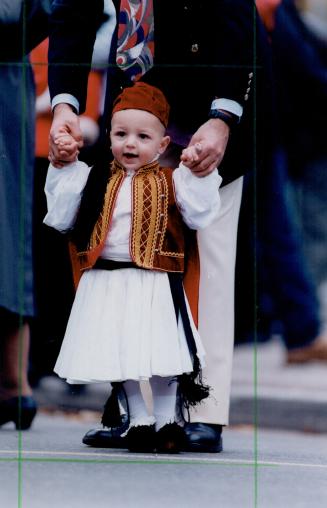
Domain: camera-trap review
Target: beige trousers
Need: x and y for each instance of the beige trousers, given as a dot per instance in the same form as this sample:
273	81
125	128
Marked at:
217	246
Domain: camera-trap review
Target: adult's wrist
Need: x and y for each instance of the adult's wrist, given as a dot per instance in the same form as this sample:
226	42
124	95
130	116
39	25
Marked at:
63	106
65	98
228	118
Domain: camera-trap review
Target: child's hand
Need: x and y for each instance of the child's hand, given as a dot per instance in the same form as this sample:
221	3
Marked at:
190	155
67	146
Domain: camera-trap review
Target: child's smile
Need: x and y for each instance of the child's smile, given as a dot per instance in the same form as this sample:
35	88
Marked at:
130	155
137	138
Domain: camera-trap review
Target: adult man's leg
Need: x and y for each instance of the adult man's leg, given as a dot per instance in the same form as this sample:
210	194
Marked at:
217	246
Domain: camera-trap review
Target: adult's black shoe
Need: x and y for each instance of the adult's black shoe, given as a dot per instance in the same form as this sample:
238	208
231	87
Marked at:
203	437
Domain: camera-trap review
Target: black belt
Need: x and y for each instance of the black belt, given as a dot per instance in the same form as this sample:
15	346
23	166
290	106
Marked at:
109	264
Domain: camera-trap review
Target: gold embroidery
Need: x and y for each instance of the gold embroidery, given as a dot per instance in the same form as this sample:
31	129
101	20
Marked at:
164	210
165	220
101	228
150	218
144	219
150	201
152	167
172	254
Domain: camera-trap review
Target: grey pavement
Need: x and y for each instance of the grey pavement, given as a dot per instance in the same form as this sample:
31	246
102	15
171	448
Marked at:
273	394
49	467
265	391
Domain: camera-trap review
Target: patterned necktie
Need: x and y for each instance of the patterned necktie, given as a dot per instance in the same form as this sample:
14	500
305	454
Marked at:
135	46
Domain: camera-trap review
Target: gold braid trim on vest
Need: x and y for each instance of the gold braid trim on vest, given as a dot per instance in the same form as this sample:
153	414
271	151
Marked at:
157	238
102	225
149	216
145	209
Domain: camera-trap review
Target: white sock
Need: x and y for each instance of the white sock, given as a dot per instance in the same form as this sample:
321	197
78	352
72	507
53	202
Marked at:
137	409
164	400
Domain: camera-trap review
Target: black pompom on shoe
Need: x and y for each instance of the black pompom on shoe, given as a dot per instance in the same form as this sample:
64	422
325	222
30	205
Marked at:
170	439
141	439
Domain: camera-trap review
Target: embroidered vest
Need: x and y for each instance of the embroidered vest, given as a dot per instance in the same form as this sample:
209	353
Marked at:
156	242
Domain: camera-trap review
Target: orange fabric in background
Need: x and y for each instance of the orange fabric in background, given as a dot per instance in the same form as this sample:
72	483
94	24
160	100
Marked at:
267	9
39	61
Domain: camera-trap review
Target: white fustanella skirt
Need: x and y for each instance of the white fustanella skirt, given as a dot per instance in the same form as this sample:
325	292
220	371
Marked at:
123	326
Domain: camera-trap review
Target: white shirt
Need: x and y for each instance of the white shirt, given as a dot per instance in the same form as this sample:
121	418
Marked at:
197	198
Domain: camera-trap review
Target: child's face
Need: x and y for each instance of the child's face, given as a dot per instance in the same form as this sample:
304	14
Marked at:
137	137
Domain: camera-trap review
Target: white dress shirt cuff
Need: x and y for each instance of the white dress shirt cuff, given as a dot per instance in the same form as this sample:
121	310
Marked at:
228	105
65	98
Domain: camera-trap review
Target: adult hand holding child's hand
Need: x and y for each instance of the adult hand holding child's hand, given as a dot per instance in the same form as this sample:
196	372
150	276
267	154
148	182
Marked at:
190	155
65	137
213	137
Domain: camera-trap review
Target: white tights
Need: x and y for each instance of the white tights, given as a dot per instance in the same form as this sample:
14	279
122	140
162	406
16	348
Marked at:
164	402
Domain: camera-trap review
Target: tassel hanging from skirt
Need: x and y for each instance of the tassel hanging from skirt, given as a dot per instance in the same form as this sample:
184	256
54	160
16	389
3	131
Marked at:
191	388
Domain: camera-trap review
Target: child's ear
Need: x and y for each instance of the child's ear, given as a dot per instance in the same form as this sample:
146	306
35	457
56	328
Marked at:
164	143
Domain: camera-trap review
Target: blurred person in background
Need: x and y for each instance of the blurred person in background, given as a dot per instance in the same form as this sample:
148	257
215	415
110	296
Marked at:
287	290
23	24
54	292
305	145
53	276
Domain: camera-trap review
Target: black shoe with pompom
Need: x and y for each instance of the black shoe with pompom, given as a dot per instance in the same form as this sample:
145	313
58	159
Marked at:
141	439
170	439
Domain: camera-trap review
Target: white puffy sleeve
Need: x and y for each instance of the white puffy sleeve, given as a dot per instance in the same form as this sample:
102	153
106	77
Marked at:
63	190
197	197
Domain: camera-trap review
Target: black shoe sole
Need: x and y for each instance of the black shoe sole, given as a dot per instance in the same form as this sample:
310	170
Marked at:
118	442
203	448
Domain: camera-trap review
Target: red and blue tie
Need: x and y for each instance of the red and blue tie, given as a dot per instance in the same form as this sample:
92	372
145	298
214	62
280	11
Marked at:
135	46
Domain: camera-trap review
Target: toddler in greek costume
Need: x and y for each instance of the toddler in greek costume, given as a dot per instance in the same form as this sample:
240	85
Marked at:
134	256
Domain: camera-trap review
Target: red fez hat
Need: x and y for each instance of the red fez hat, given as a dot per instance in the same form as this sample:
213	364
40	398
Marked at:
145	97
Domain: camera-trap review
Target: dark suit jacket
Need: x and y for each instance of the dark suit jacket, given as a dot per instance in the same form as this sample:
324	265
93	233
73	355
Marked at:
23	25
203	49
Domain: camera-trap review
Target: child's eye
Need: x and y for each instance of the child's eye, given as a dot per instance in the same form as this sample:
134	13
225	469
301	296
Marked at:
120	133
144	136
